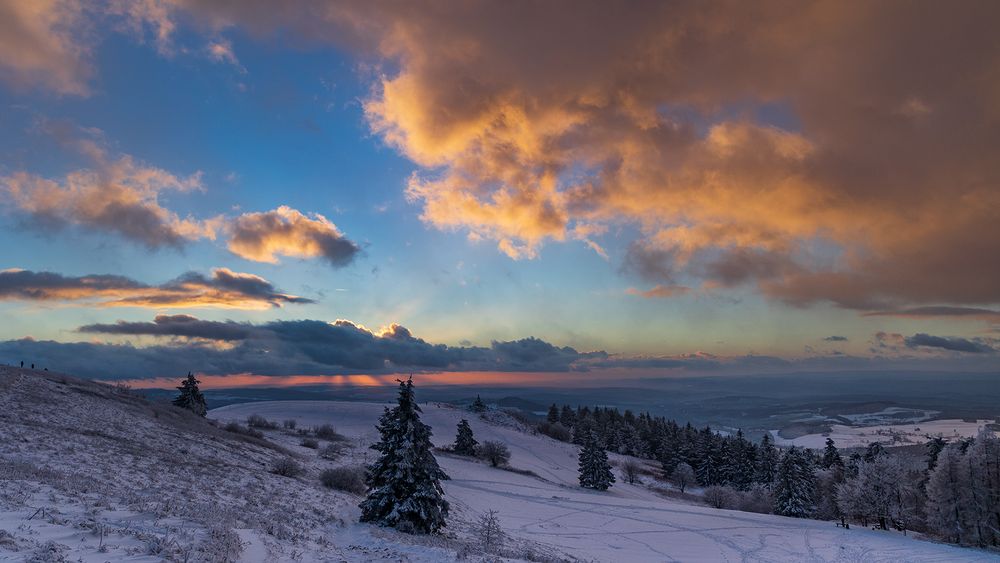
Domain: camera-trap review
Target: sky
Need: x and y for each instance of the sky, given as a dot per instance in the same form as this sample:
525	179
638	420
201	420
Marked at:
649	188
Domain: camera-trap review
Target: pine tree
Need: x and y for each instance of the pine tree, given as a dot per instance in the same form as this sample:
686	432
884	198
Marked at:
794	485
553	416
478	405
191	397
465	442
595	471
873	451
947	496
831	457
934	447
404	489
567	417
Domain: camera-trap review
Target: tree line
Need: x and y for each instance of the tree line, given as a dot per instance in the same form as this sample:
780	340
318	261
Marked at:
953	493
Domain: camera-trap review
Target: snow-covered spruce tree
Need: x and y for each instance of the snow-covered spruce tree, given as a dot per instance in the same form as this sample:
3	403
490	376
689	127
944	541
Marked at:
767	461
595	471
465	442
831	457
478	405
404	489
553	416
794	485
191	397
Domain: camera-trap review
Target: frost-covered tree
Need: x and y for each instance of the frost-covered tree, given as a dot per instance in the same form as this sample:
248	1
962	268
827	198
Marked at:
683	476
947	497
478	405
794	485
767	461
489	532
831	457
878	493
494	452
404	489
982	460
873	451
595	471
465	442
934	447
190	397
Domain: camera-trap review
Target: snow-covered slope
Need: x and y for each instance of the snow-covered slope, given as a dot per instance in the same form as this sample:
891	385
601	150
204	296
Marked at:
90	473
626	523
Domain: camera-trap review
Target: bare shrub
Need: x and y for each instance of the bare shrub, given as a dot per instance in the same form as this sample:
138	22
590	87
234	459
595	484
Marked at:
758	499
287	467
494	452
556	431
350	479
489	533
719	497
258	421
630	470
235	428
290	424
309	443
333	451
327	432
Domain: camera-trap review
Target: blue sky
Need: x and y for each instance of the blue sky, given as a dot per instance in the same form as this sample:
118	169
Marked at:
339	126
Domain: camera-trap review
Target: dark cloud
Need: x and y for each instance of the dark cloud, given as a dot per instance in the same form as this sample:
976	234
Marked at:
316	347
835	339
940	311
223	289
955	344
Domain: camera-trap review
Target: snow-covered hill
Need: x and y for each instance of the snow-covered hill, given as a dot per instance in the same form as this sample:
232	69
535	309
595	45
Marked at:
626	523
91	473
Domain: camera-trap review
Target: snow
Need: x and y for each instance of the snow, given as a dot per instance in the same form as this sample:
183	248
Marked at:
887	434
626	523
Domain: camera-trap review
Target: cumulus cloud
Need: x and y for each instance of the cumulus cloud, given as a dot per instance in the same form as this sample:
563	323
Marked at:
954	344
718	129
117	195
262	237
224	289
40	46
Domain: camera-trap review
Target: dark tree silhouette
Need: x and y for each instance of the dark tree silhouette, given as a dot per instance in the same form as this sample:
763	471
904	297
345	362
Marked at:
465	442
191	397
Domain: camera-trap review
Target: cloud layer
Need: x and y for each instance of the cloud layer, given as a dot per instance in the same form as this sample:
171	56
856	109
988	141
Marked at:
224	289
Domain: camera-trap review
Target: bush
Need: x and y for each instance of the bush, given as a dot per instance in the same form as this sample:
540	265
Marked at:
556	431
683	476
309	443
630	470
258	421
758	499
494	452
350	479
332	451
290	424
235	428
326	432
287	467
719	497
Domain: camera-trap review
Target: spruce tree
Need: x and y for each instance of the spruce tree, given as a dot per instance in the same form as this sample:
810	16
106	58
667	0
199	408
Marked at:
767	461
465	442
478	405
794	485
831	457
595	471
191	397
553	416
404	489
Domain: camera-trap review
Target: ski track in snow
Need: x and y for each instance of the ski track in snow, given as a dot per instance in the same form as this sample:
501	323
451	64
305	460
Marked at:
626	523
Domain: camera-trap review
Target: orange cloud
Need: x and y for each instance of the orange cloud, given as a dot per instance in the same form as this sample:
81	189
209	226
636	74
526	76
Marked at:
38	45
849	146
262	237
225	289
659	291
116	195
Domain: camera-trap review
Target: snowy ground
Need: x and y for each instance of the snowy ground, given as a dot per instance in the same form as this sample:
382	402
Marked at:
626	523
889	434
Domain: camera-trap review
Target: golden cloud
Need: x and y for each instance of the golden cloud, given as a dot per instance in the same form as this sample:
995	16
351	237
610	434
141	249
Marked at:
284	231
